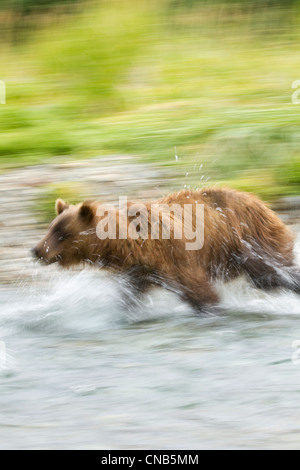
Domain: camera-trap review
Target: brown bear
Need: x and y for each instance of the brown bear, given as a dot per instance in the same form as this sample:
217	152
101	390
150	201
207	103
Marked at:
240	235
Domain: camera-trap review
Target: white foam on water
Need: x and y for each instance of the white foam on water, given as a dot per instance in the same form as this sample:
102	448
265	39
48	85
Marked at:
239	295
72	301
90	300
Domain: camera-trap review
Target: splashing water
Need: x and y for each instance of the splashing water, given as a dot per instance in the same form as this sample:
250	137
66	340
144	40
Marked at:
79	371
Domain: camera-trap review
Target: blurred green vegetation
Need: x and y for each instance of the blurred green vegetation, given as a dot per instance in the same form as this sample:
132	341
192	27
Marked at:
70	191
29	6
211	78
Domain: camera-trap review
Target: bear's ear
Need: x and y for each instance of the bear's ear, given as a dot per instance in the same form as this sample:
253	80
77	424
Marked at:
86	212
60	206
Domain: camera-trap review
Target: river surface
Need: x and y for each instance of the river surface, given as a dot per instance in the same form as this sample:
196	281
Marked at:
77	371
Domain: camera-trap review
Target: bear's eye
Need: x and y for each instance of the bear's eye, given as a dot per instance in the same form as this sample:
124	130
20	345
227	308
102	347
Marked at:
63	236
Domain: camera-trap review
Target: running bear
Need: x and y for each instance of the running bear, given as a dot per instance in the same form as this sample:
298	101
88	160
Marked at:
240	235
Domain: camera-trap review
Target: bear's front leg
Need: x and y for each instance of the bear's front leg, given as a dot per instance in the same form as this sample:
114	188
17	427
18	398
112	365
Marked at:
192	285
135	282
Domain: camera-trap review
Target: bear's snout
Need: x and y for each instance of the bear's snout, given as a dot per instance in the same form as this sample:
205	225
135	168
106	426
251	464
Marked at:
44	254
35	252
38	253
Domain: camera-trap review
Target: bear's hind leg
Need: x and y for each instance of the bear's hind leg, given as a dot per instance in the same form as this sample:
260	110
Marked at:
270	274
192	285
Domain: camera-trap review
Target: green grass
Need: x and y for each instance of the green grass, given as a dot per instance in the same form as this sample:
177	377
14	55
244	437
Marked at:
138	77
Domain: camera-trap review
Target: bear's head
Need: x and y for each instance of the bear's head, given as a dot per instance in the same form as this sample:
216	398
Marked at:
67	239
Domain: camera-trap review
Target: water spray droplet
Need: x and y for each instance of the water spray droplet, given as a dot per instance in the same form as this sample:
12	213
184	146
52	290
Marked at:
176	156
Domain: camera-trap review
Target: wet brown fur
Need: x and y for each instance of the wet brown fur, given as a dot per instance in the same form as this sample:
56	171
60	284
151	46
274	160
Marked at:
241	235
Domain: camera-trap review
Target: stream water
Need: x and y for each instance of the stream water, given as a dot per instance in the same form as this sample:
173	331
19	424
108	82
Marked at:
77	371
